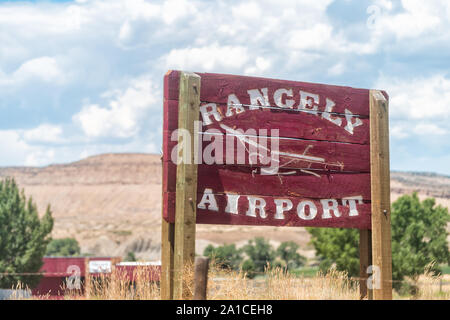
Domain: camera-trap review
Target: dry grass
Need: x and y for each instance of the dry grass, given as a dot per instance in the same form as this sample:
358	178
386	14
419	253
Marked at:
18	292
431	288
281	285
275	284
427	286
117	286
329	286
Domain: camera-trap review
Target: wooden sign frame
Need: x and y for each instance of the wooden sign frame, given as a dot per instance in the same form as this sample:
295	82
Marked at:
178	238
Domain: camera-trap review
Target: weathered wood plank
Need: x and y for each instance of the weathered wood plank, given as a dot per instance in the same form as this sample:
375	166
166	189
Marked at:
170	122
167	228
287	153
291	218
241	180
167	254
172	85
235	180
186	187
290	124
380	186
201	278
218	87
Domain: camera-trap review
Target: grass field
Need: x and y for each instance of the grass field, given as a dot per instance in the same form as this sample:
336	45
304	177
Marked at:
275	284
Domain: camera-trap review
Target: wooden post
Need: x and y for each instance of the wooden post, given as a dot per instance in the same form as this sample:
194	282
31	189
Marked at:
167	249
186	184
88	292
381	200
201	278
365	260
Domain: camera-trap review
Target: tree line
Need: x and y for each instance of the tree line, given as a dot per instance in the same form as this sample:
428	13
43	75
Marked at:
255	256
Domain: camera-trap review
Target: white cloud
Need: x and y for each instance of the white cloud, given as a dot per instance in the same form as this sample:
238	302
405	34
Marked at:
337	69
417	25
40	158
173	10
261	65
430	129
125	108
126	31
140	9
314	38
16	151
207	58
419	98
44	133
13	147
46	19
403	129
418	106
419	17
247	10
43	68
399	130
385	4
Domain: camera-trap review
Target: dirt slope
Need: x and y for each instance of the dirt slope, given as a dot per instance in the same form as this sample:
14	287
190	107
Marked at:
111	204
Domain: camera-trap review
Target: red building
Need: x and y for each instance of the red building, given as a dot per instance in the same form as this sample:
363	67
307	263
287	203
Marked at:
62	273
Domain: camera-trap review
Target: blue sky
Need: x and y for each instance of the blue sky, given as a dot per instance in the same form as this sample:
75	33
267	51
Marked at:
78	78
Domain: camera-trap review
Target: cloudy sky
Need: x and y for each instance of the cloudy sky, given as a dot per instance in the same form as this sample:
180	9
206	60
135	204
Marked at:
84	77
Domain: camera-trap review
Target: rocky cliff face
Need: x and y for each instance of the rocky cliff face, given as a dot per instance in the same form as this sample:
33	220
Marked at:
111	204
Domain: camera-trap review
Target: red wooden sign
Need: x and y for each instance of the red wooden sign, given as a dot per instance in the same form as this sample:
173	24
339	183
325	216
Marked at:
274	152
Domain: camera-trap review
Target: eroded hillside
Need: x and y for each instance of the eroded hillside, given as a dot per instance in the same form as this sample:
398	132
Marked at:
111	204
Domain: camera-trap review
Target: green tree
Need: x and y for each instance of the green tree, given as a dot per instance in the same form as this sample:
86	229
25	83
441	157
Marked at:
418	238
23	235
130	256
226	256
260	252
66	247
337	246
287	251
249	268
